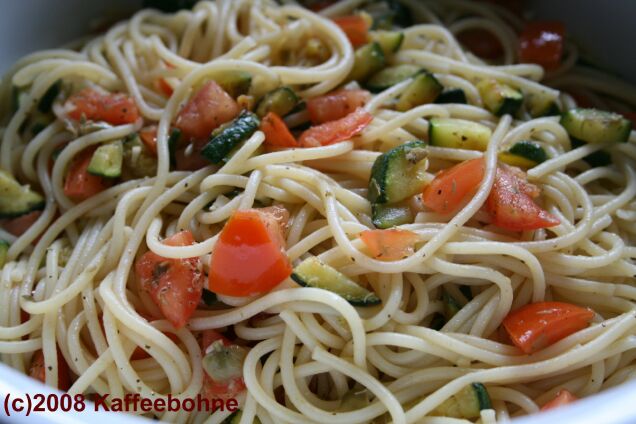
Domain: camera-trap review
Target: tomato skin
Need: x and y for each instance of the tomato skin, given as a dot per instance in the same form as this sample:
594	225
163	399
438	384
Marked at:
336	105
209	108
148	136
355	27
174	285
336	131
79	185
249	256
18	226
453	186
213	389
541	42
276	132
389	245
114	108
563	397
482	43
164	87
511	206
538	325
37	370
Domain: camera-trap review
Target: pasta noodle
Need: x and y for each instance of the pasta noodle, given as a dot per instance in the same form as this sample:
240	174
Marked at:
73	271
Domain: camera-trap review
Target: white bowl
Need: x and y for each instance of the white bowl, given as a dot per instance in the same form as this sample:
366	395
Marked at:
30	25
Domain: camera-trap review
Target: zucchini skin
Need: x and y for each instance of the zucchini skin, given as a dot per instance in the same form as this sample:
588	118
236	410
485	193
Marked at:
4	248
368	60
17	199
281	101
386	215
396	160
227	137
453	95
46	102
458	134
389	41
596	126
313	273
525	154
596	159
499	98
388	77
422	90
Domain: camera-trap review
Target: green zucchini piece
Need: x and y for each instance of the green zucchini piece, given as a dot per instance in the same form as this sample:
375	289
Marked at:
458	134
235	418
368	60
422	90
398	173
499	98
452	95
173	143
437	322
235	83
390	76
389	41
538	105
524	154
17	199
466	291
46	102
225	138
596	159
596	126
107	160
138	161
209	297
467	403
4	249
280	101
451	305
313	273
224	362
388	215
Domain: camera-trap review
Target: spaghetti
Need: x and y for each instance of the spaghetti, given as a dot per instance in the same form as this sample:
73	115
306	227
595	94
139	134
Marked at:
70	288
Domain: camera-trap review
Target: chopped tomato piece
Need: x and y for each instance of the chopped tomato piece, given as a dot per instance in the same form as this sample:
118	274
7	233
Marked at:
391	244
174	285
37	370
93	105
215	389
511	206
538	325
563	397
356	27
336	105
276	131
79	185
18	226
164	87
148	136
541	42
482	43
453	187
336	131
249	257
208	109
279	213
